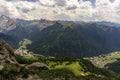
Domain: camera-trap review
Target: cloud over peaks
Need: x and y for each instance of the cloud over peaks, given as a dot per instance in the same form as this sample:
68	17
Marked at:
82	10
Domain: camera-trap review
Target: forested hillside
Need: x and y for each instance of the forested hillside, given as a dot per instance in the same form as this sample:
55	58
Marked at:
76	40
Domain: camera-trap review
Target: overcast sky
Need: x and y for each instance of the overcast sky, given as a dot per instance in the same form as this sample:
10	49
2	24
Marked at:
80	10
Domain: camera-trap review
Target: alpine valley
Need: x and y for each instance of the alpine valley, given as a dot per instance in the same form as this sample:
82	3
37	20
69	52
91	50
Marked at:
58	50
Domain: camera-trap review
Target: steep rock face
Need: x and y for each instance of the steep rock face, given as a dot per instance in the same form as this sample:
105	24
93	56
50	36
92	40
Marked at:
7	24
6	54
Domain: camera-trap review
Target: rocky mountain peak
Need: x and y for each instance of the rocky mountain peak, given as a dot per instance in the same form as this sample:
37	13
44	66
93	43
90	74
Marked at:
7	23
44	24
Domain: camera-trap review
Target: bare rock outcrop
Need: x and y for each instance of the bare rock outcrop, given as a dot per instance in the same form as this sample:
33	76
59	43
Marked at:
6	55
38	65
6	23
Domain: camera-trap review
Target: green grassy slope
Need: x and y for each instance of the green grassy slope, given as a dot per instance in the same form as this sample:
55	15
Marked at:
70	68
77	67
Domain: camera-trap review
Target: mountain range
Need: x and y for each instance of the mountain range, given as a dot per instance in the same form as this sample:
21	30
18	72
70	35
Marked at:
62	38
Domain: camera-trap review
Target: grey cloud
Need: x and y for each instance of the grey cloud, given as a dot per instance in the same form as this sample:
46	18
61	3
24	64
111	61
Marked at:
24	10
60	2
4	10
71	7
